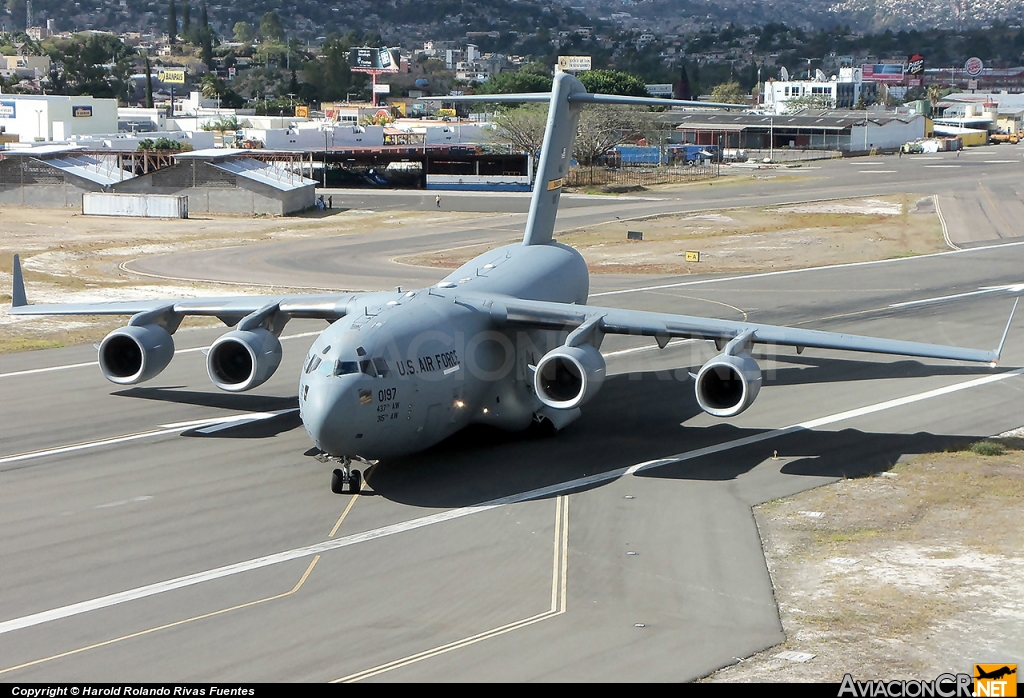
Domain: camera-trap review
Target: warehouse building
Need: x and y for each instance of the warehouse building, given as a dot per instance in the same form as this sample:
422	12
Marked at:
849	132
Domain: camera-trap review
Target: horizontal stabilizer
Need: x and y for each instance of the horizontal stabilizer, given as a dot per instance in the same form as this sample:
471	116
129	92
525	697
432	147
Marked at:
586	98
18	297
648	101
520	97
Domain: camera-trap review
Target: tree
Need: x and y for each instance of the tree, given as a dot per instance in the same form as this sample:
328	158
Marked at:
728	93
808	102
602	127
522	128
244	33
172	22
212	86
613	82
506	83
206	43
270	27
204	18
17	8
149	84
186	22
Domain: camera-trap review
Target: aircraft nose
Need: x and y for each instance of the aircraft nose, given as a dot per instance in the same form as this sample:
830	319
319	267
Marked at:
324	415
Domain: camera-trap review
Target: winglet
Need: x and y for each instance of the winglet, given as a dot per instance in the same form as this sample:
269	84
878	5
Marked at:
18	298
999	349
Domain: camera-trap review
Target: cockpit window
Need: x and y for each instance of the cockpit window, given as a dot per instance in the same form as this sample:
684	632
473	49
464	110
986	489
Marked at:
382	367
343	368
365	366
313	363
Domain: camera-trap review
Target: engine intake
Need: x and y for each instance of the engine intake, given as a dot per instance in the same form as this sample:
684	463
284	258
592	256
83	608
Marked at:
243	359
727	384
567	377
135	353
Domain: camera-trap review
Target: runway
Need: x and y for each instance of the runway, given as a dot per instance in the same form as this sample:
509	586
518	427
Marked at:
979	195
170	532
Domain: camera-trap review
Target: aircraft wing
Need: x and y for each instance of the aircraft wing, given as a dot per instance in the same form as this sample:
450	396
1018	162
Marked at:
326	306
507	311
229	309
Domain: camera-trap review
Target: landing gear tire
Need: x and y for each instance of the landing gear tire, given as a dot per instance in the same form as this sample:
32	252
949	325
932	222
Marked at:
355	482
338	481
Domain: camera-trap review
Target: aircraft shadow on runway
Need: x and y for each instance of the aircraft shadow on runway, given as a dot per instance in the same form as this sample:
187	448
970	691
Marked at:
246	402
635	418
631	422
235	402
846	370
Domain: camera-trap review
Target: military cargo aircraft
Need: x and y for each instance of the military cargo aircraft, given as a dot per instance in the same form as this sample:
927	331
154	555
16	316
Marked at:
506	340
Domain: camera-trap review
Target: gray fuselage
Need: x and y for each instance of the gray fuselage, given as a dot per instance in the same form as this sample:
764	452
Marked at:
402	371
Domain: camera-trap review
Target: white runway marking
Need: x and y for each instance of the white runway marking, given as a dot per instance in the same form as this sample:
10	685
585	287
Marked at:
216	424
942	165
452	514
680	284
96	363
877	171
997	162
1014	288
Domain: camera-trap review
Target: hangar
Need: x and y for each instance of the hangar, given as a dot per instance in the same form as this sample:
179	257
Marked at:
849	132
215	180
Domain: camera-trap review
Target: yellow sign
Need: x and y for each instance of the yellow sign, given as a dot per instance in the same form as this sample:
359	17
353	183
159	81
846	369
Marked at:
446	112
172	77
995	680
693	256
554	184
302	111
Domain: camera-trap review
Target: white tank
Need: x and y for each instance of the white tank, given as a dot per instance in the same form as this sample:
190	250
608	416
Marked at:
970	110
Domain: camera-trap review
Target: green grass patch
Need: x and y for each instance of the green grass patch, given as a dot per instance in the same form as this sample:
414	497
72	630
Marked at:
987	448
10	345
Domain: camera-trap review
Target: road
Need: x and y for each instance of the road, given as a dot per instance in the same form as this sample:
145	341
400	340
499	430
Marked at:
147	537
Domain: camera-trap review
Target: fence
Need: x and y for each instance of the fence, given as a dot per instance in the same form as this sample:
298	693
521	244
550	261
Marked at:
639	176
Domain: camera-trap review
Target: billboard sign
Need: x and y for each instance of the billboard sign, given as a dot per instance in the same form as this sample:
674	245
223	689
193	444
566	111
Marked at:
574	64
366	58
382	89
660	90
974	66
302	111
172	77
81	110
916	64
8	110
882	72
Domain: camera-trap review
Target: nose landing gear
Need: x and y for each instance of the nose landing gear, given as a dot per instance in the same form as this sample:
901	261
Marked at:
339	478
346	475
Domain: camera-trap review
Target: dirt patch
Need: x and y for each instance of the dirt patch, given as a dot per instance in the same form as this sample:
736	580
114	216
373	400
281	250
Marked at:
71	258
908	574
747	240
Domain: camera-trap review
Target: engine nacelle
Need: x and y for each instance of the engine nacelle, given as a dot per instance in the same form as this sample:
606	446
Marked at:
135	353
243	359
567	377
727	384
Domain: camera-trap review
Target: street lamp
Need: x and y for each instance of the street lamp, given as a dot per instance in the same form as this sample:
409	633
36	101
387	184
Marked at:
39	125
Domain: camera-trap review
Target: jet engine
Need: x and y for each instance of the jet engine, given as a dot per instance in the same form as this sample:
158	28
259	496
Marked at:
243	359
135	353
567	377
727	384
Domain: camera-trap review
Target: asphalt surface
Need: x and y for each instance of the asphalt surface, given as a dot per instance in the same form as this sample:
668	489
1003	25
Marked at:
179	555
980	194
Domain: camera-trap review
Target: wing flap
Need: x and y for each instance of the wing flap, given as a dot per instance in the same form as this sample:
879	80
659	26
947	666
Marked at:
565	316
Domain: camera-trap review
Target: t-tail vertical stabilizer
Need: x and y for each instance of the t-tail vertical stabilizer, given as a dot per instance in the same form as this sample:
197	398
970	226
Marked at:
555	156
